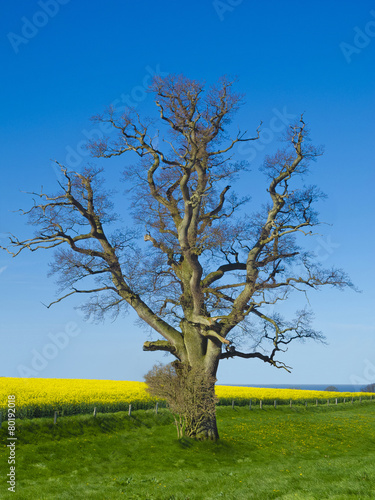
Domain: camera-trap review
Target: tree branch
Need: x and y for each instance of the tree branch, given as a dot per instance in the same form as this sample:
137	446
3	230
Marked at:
231	353
160	345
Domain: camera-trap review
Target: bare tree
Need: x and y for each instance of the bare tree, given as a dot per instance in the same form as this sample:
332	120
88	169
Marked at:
211	270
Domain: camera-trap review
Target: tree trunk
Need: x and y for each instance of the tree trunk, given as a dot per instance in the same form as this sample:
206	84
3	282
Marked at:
198	399
205	429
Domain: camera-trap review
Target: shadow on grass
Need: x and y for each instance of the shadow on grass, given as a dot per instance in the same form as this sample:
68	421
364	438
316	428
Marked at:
186	442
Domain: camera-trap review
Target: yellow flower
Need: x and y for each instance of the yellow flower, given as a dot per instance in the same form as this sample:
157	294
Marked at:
36	397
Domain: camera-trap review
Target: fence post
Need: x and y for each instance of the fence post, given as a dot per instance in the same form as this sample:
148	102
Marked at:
156	408
344	400
290	403
130	410
275	403
232	404
95	411
336	400
261	404
55	418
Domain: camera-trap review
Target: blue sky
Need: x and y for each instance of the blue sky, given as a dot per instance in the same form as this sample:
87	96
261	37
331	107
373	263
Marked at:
66	61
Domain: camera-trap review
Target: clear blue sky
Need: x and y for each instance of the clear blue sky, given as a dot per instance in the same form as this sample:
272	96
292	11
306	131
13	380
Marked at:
64	61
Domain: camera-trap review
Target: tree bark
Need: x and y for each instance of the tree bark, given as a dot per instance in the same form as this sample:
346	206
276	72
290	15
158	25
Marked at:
204	429
198	384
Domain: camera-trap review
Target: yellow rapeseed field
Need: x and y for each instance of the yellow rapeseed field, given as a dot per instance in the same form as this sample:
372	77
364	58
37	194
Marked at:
265	394
38	397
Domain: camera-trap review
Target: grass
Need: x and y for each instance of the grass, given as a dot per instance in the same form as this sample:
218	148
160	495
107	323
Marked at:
287	453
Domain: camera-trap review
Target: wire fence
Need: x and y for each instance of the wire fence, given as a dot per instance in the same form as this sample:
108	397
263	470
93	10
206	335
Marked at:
82	408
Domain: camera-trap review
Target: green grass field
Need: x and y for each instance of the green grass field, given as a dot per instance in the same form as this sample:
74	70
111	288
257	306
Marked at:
286	453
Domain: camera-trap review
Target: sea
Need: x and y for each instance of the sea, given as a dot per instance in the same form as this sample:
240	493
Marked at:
305	387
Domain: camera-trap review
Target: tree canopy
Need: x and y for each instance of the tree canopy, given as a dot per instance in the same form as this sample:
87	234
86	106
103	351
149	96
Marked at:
212	268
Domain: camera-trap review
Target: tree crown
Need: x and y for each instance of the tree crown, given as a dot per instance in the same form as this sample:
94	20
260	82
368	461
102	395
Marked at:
208	267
